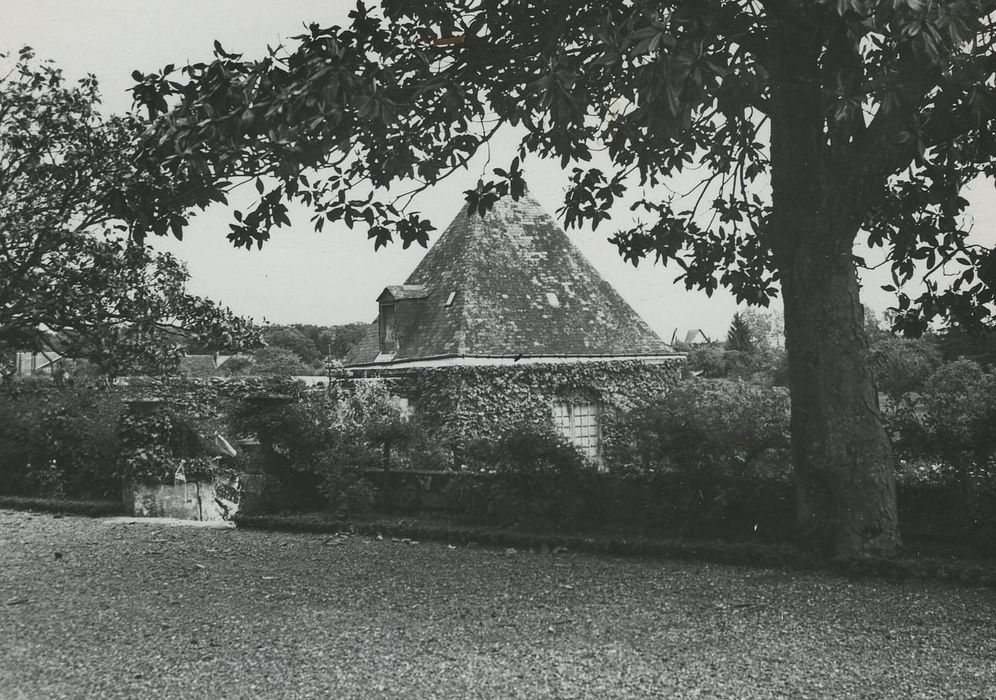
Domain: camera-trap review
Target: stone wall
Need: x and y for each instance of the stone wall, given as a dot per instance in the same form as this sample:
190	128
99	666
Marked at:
191	500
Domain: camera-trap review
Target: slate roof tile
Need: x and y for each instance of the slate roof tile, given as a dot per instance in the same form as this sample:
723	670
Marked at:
503	268
400	292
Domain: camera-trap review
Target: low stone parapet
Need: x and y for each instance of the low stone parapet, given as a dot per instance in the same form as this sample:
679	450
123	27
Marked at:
191	500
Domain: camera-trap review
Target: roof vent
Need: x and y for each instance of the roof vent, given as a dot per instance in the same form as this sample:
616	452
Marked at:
450	298
552	298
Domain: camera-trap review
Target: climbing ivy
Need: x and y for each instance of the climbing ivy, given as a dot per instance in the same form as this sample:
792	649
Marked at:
171	428
486	402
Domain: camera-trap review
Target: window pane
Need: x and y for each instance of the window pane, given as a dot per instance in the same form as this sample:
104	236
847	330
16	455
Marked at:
579	424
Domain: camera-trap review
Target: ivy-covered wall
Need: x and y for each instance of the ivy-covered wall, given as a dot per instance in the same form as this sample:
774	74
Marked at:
486	401
82	440
168	425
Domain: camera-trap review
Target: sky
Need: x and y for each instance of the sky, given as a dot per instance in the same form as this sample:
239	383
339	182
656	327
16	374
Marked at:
334	277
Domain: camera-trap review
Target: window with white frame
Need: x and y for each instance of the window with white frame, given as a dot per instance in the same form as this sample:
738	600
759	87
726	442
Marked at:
578	422
405	406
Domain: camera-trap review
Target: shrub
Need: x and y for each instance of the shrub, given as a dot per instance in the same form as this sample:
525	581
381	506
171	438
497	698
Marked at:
950	425
763	365
161	442
59	441
703	460
347	490
705	430
709	359
291	436
319	444
945	439
959	408
76	441
429	449
528	474
902	365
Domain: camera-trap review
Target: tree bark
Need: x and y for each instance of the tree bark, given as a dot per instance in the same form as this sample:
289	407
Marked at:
846	492
841	452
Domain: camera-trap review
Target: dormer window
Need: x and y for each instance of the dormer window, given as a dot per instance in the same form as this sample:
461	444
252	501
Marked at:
400	306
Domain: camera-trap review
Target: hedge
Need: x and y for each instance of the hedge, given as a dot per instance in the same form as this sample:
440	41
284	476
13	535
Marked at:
747	554
90	508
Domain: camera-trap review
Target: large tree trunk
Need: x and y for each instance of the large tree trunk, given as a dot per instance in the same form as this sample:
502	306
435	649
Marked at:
841	453
846	495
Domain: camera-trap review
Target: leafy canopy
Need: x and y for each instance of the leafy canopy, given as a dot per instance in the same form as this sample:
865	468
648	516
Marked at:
628	95
70	280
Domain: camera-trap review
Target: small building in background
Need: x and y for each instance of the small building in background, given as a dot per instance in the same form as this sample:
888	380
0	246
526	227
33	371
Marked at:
505	322
202	366
46	364
27	364
695	336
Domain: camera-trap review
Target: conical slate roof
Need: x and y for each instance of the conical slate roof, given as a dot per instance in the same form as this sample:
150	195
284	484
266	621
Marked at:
510	284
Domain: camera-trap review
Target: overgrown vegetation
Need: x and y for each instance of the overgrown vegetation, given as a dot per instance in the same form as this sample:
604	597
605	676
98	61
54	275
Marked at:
59	441
527	474
81	440
298	349
809	127
319	446
753	351
707	430
710	458
163	441
71	280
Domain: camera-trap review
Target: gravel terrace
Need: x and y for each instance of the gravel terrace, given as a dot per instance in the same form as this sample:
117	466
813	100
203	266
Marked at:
91	608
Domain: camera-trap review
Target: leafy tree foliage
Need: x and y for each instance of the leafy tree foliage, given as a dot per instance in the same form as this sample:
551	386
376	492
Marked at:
297	349
69	278
814	121
289	338
708	360
702	429
342	338
901	88
273	360
960	408
751	353
311	343
979	347
767	327
739	336
873	327
902	365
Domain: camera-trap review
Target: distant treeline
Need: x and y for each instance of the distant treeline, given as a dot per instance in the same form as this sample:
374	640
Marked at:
298	349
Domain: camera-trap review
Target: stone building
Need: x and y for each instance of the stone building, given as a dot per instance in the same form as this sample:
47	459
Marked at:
505	321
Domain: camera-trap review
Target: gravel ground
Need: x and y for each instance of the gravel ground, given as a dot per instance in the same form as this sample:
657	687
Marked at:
101	609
